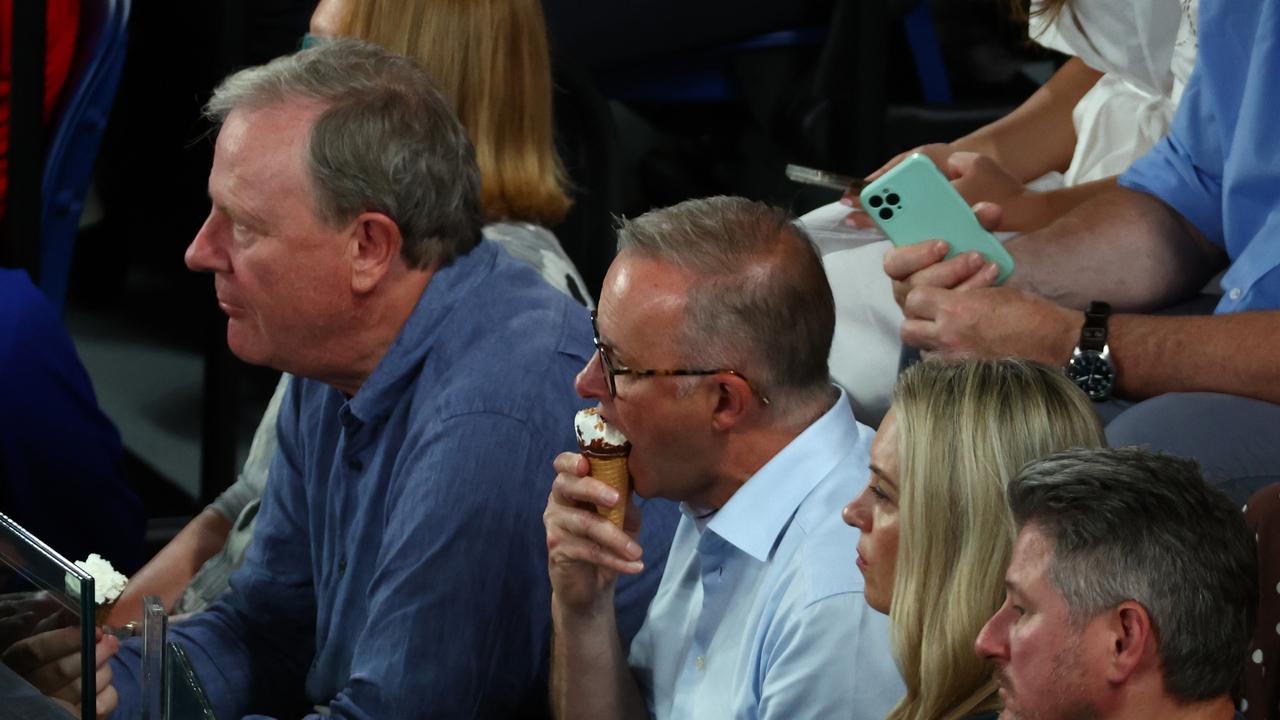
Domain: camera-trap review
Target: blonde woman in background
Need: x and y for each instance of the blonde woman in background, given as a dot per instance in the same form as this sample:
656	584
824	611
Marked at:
936	530
490	59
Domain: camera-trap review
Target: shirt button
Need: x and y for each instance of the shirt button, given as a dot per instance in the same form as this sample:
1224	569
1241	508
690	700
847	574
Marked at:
355	464
700	663
342	568
1235	294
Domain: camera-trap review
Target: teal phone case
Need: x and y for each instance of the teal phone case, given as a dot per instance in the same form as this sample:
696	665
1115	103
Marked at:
914	202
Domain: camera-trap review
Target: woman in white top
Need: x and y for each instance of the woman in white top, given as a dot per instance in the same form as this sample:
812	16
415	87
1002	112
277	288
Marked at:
1101	111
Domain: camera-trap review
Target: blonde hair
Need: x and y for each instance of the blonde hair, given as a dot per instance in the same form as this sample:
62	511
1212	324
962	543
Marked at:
965	429
490	59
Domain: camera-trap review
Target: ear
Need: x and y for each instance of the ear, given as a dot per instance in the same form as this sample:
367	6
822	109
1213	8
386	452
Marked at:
1131	635
734	399
375	247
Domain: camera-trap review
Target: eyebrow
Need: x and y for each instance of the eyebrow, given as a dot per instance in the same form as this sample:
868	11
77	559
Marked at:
880	474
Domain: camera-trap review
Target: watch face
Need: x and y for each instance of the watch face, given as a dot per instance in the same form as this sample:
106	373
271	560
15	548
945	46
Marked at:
1093	373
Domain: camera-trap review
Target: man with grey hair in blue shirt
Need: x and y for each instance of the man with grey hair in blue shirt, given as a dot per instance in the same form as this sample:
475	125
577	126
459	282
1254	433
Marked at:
398	567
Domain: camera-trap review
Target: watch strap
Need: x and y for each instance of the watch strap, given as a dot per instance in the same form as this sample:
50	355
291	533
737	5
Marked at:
1093	336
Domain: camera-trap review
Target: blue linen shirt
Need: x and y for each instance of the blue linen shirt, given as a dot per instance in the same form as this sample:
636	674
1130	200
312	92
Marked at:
1219	167
760	613
399	564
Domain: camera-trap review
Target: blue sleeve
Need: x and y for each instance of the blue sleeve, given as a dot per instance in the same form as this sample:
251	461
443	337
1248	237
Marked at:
1185	169
252	648
61	461
458	621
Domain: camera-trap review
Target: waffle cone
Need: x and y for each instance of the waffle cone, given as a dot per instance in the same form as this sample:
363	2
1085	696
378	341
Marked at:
612	471
102	612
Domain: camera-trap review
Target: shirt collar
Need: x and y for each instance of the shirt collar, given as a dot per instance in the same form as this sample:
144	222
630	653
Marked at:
761	509
402	361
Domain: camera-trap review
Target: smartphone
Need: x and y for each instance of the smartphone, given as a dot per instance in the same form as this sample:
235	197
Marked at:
822	178
914	202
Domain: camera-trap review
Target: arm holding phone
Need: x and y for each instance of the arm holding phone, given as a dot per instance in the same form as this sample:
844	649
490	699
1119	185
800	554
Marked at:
1036	138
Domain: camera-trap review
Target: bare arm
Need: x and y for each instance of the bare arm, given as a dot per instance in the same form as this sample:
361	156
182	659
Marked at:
1037	137
590	677
1125	247
1122	246
1040	135
978	177
171	570
1234	354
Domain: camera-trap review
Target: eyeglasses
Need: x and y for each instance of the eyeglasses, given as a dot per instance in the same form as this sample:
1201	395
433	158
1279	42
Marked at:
611	371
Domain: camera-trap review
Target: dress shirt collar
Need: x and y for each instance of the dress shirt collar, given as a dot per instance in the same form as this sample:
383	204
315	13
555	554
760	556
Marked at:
449	286
758	513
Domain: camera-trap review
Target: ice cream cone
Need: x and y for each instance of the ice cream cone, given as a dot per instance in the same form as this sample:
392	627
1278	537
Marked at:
102	612
606	449
612	471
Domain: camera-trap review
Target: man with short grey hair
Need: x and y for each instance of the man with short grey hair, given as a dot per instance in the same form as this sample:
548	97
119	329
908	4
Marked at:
1131	593
712	336
398	566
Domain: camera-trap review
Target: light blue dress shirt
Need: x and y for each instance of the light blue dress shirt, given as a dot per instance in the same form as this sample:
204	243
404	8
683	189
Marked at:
760	612
1220	164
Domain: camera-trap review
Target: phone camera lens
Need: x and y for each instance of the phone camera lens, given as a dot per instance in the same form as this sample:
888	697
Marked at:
876	201
893	199
885	213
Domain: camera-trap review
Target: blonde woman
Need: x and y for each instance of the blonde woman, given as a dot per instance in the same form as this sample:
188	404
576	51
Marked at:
490	58
936	530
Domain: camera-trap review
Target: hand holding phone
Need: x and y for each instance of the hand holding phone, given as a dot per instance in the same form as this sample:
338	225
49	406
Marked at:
914	202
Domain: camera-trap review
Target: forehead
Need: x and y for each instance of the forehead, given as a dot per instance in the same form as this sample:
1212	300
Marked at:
262	152
884	447
642	297
1032	553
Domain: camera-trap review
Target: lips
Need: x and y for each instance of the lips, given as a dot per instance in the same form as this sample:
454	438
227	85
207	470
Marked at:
230	309
862	562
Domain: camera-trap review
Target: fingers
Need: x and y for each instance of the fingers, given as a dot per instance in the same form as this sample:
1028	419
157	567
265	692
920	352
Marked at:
900	263
921	265
67	670
574	491
107	700
28	654
859	219
989	215
577	533
583	536
983	278
571	463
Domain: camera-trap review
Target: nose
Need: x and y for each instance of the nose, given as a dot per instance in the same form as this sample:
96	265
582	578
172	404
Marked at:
855	513
205	253
590	383
991	641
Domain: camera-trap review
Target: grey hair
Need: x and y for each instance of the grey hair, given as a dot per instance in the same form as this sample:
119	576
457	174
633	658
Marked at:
761	304
1127	524
387	141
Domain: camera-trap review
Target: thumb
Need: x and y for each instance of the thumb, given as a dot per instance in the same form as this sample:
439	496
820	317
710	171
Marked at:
989	215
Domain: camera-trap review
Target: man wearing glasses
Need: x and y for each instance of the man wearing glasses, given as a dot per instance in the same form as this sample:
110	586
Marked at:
712	338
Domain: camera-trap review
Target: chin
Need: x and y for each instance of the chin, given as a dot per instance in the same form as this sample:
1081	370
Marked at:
245	345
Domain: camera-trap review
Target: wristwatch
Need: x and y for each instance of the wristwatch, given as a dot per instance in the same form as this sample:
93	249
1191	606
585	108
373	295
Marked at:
1090	365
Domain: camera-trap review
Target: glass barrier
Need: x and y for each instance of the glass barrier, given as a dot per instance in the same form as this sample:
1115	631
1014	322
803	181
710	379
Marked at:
155	631
41	593
187	699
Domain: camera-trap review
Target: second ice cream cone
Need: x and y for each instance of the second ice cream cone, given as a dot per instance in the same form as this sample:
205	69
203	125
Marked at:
612	471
